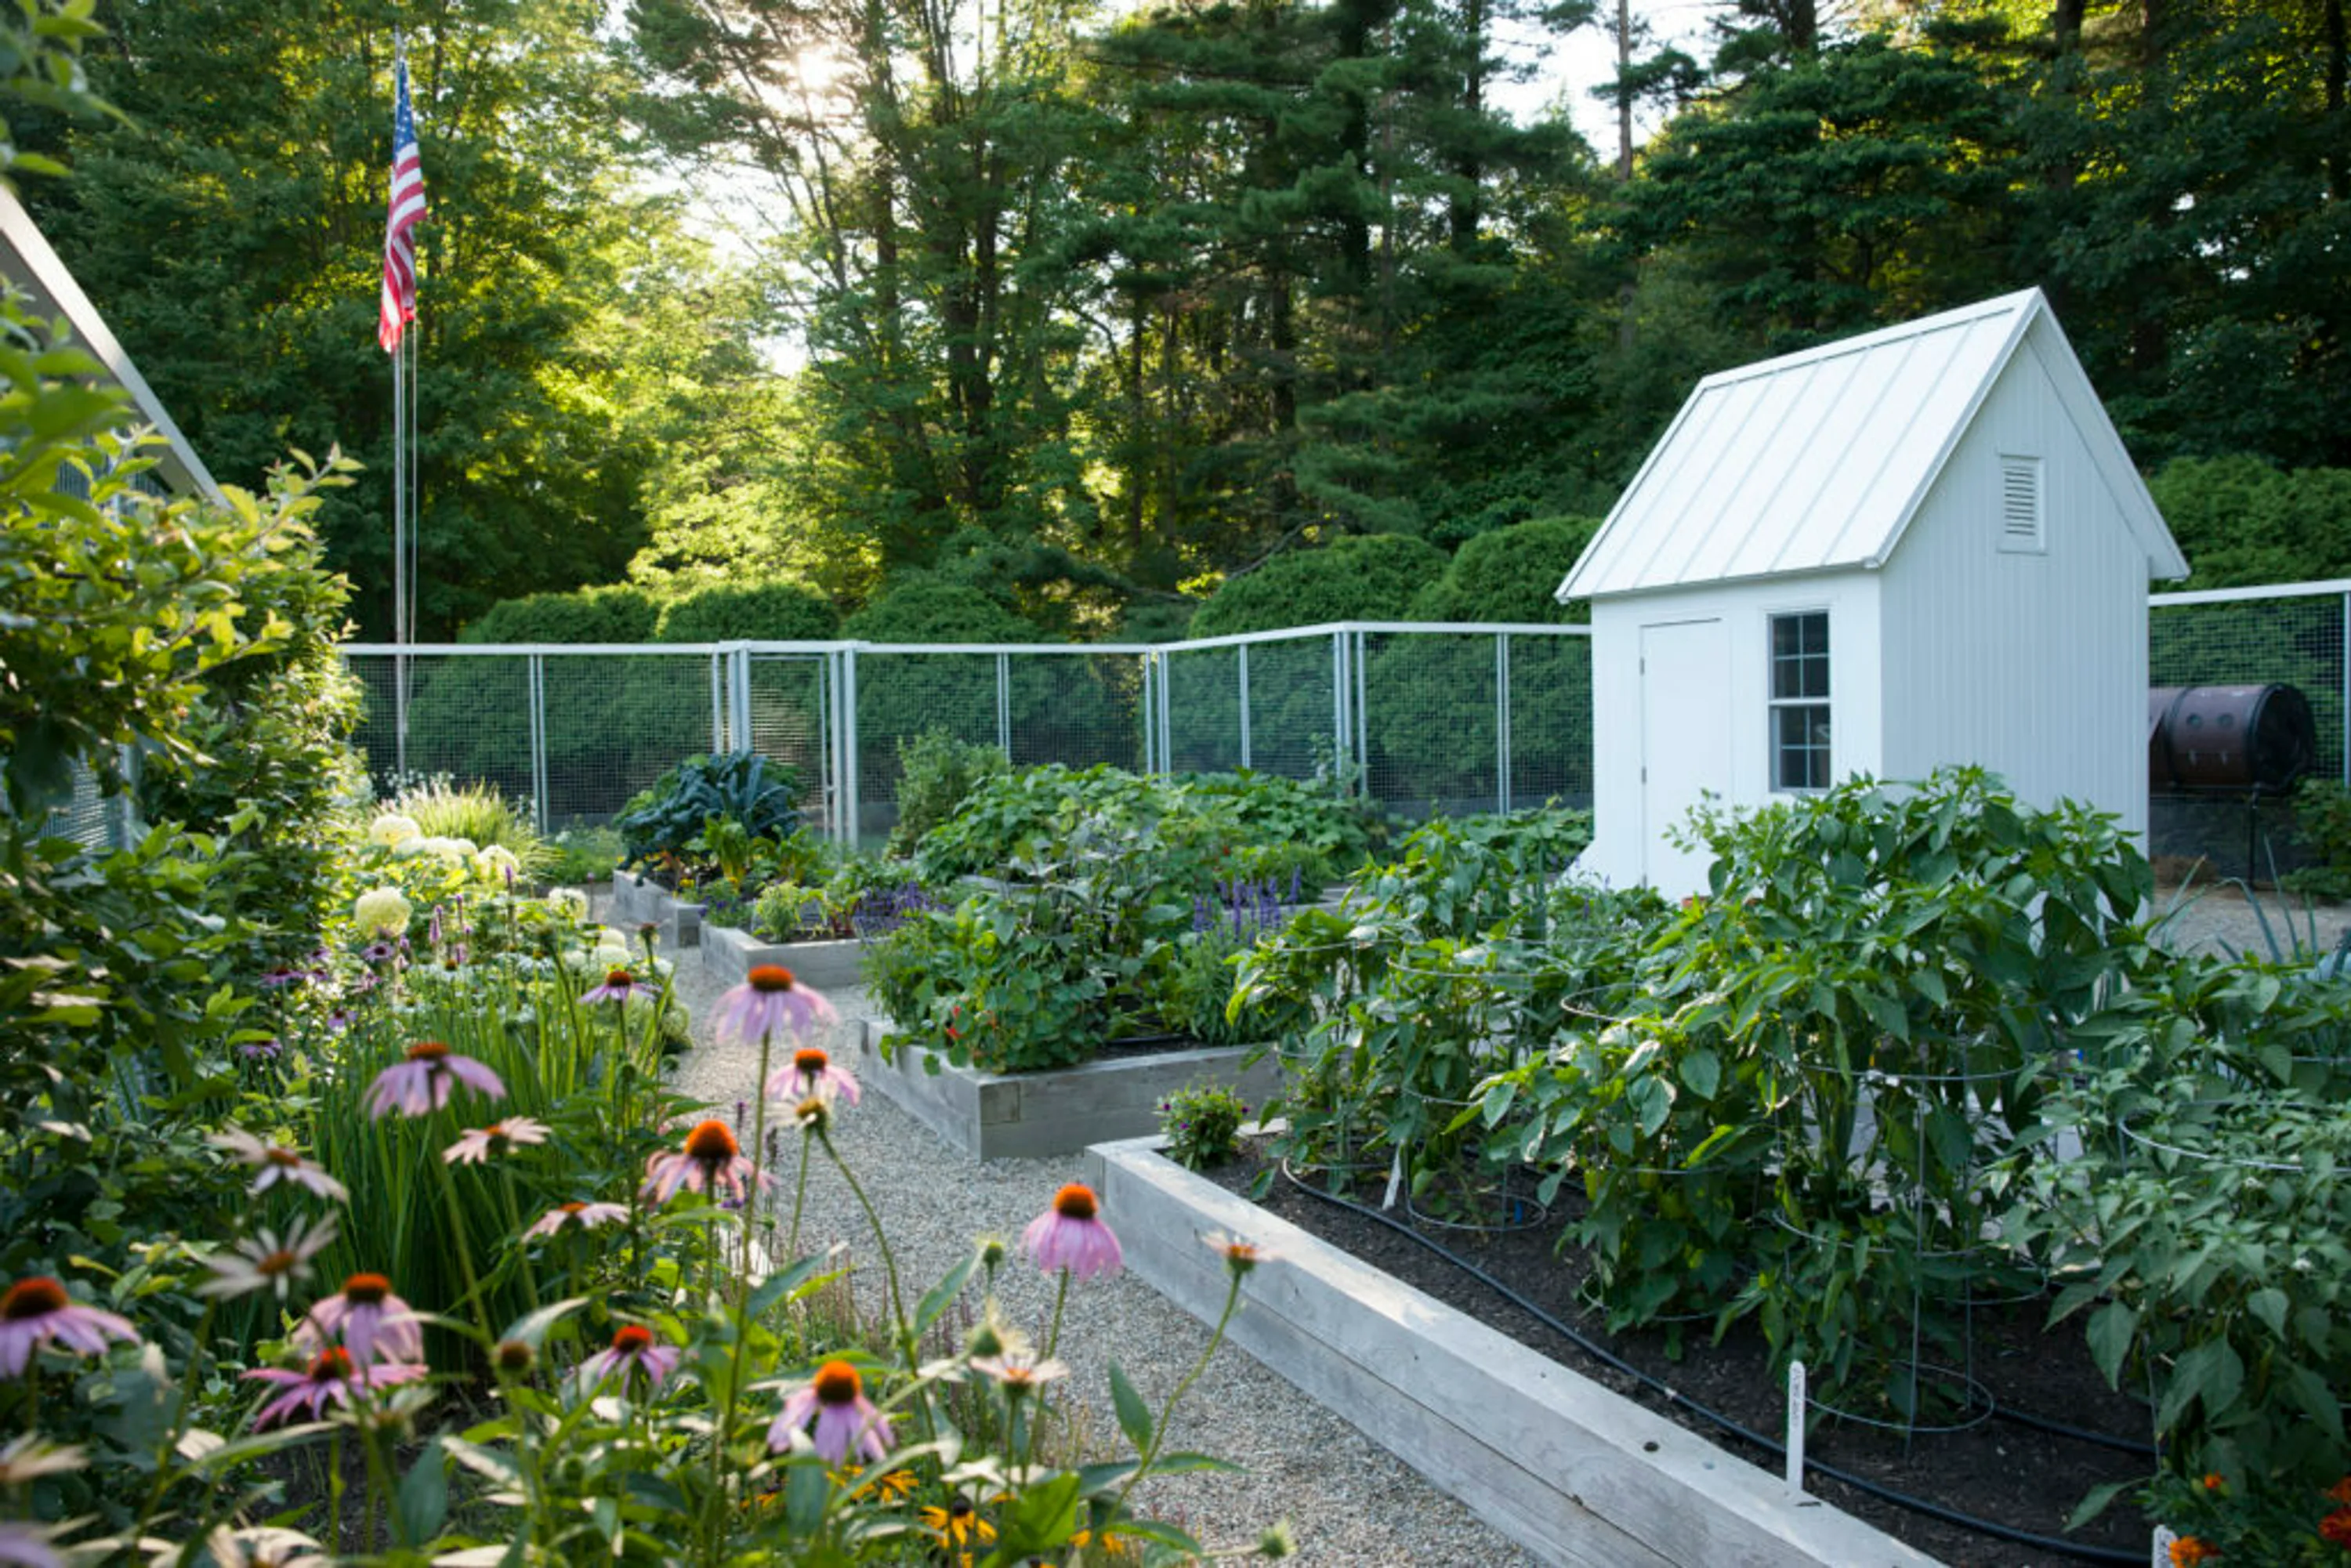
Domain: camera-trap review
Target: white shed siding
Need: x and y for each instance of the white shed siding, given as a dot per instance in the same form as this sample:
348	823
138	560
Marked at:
1856	695
2033	665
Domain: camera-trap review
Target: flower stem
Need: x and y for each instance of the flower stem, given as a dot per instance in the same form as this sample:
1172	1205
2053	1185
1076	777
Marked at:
481	1308
1159	1433
179	1419
799	1201
1061	1299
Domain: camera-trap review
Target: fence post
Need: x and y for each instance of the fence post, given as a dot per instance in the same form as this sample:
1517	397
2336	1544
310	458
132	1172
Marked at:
2343	646
739	688
849	758
1502	720
1243	676
1147	715
1339	726
1004	703
534	681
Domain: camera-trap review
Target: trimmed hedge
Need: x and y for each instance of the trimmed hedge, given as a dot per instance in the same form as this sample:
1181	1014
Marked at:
1363	577
763	612
1510	575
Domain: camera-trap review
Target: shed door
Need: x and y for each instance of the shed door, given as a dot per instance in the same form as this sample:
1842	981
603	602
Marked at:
1685	742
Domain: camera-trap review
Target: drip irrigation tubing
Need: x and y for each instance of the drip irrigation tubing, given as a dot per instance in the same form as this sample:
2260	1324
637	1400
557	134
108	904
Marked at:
1615	1363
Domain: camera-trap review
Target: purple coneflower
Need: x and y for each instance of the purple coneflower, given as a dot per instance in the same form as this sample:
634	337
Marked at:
379	952
1071	1235
261	1049
26	1545
37	1311
768	1000
339	1020
812	1072
477	1145
274	1163
619	986
272	979
330	1378
710	1159
584	1216
419	1084
633	1350
264	1263
844	1418
370	1319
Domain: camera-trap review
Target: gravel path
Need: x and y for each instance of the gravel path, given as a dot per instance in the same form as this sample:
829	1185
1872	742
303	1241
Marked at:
1349	1501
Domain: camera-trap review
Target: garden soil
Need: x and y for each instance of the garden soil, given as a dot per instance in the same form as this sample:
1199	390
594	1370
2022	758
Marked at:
1997	1468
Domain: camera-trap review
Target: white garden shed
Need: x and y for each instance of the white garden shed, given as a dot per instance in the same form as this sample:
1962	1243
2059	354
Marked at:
1924	545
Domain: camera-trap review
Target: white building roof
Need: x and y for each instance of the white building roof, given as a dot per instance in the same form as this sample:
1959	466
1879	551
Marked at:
26	261
1819	460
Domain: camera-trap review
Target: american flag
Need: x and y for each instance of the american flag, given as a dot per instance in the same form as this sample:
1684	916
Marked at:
399	304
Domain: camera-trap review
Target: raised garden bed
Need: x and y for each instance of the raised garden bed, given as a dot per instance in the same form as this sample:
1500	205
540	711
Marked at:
1028	1115
1576	1473
728	953
641	900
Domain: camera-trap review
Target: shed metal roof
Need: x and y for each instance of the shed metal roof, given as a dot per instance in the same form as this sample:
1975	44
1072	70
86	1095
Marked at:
1819	460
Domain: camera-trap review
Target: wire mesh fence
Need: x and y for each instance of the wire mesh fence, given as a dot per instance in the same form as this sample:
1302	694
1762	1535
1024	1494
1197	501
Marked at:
1428	719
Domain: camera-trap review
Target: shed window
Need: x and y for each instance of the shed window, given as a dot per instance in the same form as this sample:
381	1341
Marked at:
2020	529
1800	701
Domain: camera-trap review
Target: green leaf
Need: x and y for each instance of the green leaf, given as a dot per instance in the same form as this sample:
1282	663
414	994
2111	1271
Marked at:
2269	1305
1134	1415
776	1286
1701	1070
2099	1500
2112	1329
423	1500
532	1328
941	1296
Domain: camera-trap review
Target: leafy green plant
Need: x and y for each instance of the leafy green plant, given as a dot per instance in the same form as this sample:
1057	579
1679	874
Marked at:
2322	810
1202	1124
577	855
741	787
937	774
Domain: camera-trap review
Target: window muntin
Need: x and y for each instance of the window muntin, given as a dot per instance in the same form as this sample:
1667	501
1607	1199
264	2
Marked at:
1798	703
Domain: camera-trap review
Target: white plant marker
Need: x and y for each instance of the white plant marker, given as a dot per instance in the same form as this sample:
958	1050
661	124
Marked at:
2161	1556
1796	1428
1396	1180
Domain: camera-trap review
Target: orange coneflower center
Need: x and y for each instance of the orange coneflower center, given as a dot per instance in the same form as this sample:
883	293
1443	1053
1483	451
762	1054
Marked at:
272	1264
366	1290
332	1362
620	978
711	1143
274	1156
428	1051
635	1338
1075	1201
837	1384
34	1298
574	1206
770	978
810	1062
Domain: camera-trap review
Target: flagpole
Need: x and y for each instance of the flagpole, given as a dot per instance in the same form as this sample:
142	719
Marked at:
415	468
402	620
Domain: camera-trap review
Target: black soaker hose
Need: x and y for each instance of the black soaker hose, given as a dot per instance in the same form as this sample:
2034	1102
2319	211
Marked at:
1615	1363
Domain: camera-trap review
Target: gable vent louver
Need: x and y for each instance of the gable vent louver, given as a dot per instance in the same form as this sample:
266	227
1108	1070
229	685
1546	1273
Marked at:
2020	529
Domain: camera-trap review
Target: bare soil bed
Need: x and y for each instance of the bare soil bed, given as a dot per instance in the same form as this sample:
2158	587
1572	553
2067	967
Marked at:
2002	1468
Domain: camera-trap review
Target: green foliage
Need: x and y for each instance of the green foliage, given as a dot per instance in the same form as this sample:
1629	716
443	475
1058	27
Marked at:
1510	575
768	612
1202	1123
579	856
2240	521
611	614
937	774
2241	1521
2322	810
1360	577
742	788
1195	829
927	609
477	813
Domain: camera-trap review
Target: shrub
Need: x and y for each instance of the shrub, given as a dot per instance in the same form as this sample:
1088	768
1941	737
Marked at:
1510	575
925	610
2322	810
764	613
1362	577
603	615
937	774
581	855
